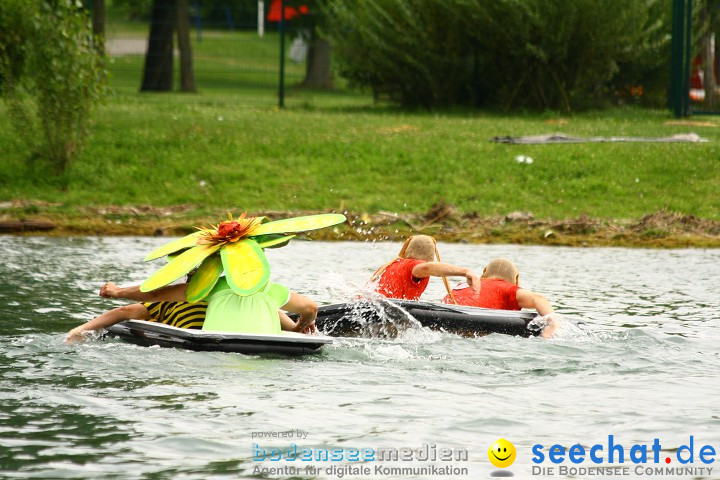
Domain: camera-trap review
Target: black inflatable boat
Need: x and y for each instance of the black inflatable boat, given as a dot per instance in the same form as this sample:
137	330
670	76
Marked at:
386	316
383	318
146	334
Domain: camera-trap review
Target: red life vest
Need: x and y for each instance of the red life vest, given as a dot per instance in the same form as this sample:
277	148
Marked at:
494	293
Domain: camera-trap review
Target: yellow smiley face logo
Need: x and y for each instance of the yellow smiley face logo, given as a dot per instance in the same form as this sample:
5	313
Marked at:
502	453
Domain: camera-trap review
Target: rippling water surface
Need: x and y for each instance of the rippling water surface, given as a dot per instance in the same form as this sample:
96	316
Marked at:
637	358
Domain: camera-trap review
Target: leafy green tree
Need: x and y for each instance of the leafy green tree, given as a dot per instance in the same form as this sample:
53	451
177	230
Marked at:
53	74
540	54
416	52
556	54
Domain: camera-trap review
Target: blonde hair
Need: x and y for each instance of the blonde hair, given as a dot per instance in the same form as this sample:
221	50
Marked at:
502	268
419	247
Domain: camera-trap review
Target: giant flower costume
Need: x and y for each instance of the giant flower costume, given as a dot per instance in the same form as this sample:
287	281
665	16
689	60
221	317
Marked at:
234	247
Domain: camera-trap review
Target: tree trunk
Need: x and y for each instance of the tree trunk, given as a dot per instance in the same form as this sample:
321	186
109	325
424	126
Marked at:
708	61
98	23
187	78
318	73
708	58
158	71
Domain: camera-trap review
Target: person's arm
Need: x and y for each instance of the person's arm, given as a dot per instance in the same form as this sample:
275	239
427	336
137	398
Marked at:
442	269
136	311
171	293
528	299
286	323
303	306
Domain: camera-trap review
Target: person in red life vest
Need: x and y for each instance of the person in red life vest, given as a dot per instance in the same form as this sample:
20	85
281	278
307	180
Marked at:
407	276
501	290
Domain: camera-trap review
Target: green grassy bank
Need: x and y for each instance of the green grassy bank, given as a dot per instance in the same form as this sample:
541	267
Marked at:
179	149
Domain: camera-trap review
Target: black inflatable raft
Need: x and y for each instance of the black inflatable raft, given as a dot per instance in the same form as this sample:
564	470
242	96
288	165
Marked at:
385	317
149	333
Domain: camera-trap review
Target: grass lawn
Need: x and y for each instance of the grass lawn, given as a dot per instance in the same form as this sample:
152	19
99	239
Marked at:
230	148
174	149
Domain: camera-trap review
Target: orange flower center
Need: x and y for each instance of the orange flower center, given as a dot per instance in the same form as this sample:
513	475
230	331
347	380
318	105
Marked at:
230	231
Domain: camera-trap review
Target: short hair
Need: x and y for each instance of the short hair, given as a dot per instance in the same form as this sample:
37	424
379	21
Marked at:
420	247
501	268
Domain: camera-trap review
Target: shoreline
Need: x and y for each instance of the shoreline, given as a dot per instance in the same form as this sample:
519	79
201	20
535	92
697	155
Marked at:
661	229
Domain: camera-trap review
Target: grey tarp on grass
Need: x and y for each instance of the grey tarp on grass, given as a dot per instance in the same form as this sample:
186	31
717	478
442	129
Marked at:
561	138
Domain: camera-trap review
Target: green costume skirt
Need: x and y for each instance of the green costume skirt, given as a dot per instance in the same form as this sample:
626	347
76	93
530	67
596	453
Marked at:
256	313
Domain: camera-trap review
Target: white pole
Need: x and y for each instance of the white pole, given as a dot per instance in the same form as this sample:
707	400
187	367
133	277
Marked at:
261	18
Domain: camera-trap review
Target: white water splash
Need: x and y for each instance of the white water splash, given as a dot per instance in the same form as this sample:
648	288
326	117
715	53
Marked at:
366	306
561	328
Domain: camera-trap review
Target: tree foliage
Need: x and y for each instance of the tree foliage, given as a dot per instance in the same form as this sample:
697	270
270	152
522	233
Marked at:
544	54
416	52
53	75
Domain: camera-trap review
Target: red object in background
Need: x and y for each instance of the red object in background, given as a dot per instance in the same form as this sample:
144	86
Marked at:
695	78
290	12
697	84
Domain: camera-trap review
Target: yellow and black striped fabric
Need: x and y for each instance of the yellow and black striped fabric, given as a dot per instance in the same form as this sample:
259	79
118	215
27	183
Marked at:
178	314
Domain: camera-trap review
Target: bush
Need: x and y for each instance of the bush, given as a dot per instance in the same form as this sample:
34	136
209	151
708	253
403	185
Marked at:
60	77
415	52
645	75
542	54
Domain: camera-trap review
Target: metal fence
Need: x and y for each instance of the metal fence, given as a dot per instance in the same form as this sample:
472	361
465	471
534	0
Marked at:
235	49
695	80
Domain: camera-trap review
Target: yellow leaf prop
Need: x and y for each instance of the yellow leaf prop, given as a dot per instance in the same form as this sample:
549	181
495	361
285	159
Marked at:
299	224
246	267
275	241
204	279
240	243
172	247
180	266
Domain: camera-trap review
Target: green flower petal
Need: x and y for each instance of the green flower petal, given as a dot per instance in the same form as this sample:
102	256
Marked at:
204	279
180	266
246	268
275	240
299	224
172	247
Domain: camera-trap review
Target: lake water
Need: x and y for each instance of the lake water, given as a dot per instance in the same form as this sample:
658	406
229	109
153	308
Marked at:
637	358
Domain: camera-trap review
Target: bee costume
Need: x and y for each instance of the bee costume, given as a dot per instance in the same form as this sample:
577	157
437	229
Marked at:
243	300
